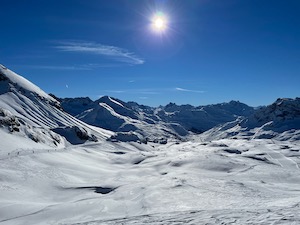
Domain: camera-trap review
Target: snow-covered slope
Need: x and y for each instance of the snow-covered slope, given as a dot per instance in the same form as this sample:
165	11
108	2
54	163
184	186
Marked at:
28	112
280	120
218	182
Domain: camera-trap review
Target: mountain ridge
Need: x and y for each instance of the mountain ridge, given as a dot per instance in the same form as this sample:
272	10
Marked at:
280	120
193	119
27	110
280	116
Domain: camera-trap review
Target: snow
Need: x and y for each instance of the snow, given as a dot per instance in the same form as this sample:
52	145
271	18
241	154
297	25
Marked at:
28	112
245	171
13	145
114	101
186	183
280	121
23	83
187	117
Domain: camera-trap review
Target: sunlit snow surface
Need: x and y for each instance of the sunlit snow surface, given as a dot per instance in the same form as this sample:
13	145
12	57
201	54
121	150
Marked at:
217	177
218	182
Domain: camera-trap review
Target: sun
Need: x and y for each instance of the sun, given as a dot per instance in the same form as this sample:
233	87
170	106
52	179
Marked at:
159	22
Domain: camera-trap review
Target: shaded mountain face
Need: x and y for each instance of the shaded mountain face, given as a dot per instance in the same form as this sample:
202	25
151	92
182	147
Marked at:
116	115
75	106
26	111
284	112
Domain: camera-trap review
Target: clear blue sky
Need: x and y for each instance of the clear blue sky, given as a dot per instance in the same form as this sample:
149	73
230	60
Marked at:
212	51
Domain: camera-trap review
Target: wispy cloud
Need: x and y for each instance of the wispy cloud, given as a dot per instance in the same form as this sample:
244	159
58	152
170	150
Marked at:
116	53
44	67
188	90
152	91
115	91
136	91
68	67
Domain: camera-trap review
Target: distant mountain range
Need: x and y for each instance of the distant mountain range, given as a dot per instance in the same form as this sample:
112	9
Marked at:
173	120
28	112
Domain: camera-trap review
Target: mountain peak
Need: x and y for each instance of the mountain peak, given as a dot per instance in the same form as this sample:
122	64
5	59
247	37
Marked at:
28	112
281	101
17	82
111	101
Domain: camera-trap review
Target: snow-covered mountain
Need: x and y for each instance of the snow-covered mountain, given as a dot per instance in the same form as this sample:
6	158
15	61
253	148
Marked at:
130	120
280	120
28	112
29	115
53	172
201	118
170	121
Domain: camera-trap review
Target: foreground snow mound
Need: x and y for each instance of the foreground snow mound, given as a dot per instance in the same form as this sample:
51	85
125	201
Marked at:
280	120
28	112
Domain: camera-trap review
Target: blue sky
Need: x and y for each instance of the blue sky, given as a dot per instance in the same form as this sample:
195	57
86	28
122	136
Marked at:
212	50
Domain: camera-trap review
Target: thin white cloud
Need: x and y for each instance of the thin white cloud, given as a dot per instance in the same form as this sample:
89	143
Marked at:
153	91
188	90
43	67
75	67
116	53
115	91
135	91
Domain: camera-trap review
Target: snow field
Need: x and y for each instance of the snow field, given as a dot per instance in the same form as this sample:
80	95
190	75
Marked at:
191	182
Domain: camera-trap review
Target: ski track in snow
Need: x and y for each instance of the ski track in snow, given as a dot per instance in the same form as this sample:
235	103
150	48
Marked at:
275	153
283	161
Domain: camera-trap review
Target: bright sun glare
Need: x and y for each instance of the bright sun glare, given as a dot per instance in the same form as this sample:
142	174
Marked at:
159	22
